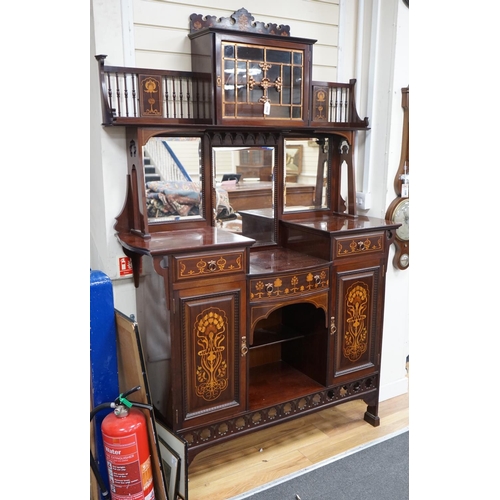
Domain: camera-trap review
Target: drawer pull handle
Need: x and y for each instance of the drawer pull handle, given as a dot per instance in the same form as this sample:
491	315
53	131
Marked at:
211	266
361	245
269	288
317	279
244	348
333	327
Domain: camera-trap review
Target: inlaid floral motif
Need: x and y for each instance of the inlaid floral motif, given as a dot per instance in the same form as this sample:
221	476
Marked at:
356	335
211	373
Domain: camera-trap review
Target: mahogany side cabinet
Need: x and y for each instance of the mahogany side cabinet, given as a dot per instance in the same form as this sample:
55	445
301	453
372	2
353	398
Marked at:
259	298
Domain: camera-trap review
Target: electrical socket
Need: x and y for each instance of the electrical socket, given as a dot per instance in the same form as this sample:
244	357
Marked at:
362	200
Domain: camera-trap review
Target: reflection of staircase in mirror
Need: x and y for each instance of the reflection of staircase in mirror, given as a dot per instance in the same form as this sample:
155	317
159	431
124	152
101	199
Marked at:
161	163
150	172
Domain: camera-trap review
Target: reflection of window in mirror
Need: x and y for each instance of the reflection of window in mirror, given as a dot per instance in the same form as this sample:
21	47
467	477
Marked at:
306	174
245	191
172	170
292	166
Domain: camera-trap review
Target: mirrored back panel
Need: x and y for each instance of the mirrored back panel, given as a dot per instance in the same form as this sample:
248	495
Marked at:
172	177
244	186
306	174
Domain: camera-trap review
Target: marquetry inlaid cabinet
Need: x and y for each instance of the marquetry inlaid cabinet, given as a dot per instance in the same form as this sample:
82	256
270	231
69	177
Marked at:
260	296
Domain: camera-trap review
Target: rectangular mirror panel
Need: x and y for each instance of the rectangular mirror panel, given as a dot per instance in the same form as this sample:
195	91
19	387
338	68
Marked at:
245	191
172	171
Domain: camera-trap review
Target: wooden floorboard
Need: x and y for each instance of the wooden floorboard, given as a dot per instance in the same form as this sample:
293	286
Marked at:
244	463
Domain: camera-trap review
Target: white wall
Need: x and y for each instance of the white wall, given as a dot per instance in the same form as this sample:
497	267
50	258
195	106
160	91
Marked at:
108	162
396	333
372	45
373	48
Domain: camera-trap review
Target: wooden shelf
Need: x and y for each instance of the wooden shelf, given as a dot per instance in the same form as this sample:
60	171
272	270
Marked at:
263	337
275	383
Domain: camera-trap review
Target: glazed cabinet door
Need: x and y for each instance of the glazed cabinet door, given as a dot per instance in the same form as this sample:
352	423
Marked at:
355	346
213	353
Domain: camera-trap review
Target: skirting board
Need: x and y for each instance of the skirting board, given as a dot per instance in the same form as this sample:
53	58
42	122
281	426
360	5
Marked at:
394	389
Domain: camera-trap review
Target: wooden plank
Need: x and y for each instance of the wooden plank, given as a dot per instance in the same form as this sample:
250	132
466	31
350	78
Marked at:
132	373
238	466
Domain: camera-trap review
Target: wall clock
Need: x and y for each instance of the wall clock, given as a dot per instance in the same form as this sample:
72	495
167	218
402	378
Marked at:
399	209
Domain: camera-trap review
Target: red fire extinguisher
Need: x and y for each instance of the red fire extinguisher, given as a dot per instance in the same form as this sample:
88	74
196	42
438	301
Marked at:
126	448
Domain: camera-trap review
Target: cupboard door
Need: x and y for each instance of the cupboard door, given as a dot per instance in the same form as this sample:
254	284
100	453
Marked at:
213	355
355	341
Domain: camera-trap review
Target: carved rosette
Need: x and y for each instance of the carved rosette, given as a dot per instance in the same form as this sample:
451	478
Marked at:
356	334
211	372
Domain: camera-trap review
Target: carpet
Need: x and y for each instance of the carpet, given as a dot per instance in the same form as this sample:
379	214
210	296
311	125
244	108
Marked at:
377	471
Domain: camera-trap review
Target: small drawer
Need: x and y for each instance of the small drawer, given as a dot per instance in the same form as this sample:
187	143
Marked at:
197	266
359	245
288	285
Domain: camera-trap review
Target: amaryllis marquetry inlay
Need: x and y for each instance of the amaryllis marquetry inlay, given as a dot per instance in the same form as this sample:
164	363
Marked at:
211	372
356	332
151	98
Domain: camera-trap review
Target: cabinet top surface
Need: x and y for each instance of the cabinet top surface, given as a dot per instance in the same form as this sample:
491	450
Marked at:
339	223
170	242
278	260
233	34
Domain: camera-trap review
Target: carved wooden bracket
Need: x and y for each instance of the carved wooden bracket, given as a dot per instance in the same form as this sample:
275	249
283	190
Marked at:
240	20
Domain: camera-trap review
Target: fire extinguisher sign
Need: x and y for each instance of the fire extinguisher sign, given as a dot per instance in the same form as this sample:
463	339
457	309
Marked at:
128	478
125	266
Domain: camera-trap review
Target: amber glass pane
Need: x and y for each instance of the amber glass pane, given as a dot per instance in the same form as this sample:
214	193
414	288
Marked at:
280	111
278	56
244	74
229	51
297	85
274	72
251	53
241	82
285	90
241	73
250	110
229	109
